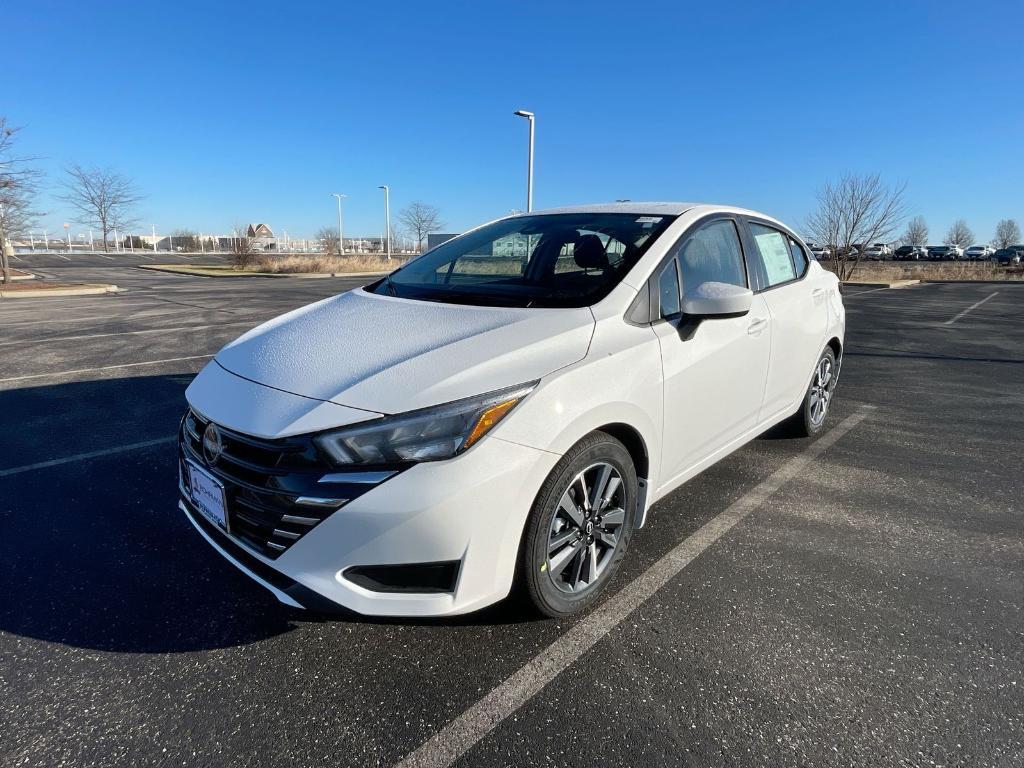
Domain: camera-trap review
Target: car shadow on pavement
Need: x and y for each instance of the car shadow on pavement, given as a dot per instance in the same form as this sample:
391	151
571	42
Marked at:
95	552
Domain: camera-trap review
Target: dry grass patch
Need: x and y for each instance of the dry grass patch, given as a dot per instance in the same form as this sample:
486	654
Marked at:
944	270
322	264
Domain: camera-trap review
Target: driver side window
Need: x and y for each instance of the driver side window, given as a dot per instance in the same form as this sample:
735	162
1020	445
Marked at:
712	254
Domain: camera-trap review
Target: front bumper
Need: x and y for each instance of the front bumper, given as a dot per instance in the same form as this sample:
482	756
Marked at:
470	509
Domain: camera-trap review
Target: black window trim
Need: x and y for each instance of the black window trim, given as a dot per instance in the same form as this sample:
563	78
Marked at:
752	244
654	295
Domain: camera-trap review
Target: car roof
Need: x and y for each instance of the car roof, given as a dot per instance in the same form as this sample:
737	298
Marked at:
628	206
653	208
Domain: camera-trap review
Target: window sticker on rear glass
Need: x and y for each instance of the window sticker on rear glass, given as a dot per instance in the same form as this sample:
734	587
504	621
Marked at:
775	254
649	221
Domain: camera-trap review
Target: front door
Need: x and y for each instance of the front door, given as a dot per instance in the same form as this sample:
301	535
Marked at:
714	369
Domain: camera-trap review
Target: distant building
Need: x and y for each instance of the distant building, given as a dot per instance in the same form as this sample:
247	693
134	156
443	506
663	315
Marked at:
262	236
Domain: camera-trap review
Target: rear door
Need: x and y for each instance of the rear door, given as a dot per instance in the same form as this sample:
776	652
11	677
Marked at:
798	310
714	369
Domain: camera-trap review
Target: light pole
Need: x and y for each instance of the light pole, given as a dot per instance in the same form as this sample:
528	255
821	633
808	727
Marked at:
341	226
387	216
529	163
115	241
67	232
154	238
92	246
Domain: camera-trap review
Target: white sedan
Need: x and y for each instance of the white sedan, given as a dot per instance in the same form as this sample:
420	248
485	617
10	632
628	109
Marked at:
503	411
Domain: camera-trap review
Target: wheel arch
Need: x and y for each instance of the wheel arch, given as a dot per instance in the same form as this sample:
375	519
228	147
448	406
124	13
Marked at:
630	437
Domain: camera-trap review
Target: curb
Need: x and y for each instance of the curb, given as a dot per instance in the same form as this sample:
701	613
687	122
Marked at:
197	272
976	282
93	289
883	283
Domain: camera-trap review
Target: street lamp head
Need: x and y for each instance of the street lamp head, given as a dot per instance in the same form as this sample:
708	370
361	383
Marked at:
523	113
383	186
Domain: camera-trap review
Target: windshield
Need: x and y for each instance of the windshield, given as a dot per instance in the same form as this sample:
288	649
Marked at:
553	260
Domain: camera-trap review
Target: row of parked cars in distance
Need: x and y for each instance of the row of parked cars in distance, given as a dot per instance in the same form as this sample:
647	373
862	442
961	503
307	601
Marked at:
1014	254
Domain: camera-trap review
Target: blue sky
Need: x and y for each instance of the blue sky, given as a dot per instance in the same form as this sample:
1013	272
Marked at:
236	112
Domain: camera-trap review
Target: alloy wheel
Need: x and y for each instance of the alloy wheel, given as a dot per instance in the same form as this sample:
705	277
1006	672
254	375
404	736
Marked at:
585	528
821	391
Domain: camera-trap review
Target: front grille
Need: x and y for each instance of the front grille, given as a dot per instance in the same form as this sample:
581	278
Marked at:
272	487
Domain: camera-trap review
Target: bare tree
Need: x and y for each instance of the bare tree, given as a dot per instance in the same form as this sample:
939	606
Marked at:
19	182
420	219
917	232
328	237
959	234
855	211
186	239
243	249
1007	234
100	198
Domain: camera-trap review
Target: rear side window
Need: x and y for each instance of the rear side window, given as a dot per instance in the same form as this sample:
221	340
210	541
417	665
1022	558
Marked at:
799	257
775	254
712	254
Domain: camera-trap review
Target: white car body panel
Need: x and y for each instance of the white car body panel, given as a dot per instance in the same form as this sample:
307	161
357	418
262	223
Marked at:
389	355
360	356
713	385
254	409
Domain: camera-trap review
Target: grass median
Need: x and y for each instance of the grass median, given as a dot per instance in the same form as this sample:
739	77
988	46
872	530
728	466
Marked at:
288	266
886	272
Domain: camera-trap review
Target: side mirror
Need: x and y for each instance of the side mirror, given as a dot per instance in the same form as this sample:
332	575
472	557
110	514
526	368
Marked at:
717	300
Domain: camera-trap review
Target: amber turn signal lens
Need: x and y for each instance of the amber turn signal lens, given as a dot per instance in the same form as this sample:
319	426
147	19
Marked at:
487	420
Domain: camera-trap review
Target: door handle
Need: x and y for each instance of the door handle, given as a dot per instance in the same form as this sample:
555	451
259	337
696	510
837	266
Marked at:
757	325
817	294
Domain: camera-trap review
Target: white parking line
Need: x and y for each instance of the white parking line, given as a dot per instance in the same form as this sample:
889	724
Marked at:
125	333
975	305
62	257
849	295
59	374
465	731
83	456
111	258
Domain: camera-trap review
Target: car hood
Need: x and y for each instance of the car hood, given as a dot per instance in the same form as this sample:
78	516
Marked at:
390	355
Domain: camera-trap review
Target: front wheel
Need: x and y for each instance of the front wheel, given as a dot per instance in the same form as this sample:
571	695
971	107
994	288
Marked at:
814	409
580	526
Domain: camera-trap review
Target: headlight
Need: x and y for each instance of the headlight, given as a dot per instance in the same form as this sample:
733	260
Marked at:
425	435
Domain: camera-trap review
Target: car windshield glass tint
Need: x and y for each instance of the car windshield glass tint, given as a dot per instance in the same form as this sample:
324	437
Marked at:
553	260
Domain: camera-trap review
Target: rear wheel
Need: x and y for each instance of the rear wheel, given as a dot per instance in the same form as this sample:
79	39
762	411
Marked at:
813	411
580	526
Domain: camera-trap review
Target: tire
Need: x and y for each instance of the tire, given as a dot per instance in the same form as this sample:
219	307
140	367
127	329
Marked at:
812	415
559	547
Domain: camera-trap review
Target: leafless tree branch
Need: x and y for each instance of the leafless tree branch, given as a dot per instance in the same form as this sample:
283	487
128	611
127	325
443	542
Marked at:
853	213
917	232
960	234
419	219
1007	234
100	198
19	183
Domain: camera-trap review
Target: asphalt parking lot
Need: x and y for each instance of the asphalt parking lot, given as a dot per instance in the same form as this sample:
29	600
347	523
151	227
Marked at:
866	610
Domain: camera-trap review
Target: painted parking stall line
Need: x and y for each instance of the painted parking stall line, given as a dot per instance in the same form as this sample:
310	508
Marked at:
127	333
85	456
973	306
60	374
461	734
